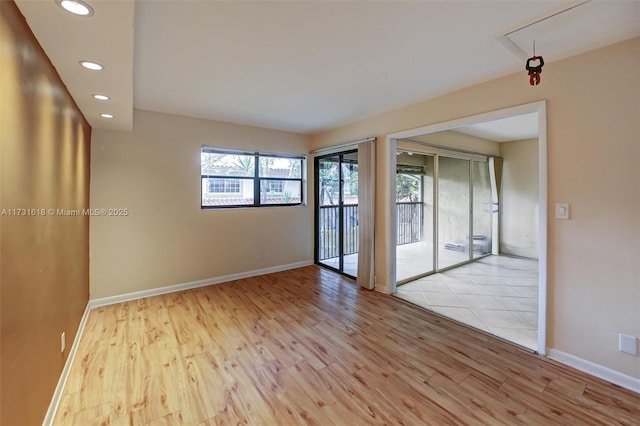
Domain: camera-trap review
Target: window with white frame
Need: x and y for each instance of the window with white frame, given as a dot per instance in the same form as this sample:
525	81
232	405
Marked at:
250	179
221	185
275	187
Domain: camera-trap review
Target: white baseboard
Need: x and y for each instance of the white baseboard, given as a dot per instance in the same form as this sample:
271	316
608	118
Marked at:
597	370
64	376
104	301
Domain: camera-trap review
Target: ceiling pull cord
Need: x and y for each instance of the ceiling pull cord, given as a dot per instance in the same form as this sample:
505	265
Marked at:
534	70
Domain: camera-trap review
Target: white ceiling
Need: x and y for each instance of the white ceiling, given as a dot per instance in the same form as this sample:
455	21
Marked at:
106	38
302	66
508	129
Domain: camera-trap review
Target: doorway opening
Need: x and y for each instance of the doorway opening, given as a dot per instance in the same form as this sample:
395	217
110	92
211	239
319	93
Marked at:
479	256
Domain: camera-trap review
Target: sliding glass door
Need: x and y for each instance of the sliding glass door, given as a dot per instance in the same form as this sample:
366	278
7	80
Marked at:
443	212
336	212
414	215
453	211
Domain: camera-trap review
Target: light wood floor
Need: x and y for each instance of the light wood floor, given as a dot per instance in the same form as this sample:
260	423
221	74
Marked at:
308	347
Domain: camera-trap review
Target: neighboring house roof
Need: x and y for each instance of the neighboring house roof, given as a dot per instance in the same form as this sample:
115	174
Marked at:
237	201
228	171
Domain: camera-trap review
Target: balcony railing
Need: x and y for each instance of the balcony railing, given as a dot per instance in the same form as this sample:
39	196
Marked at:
409	228
408	222
328	238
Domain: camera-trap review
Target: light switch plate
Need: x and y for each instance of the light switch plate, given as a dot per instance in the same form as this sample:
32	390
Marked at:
627	344
562	210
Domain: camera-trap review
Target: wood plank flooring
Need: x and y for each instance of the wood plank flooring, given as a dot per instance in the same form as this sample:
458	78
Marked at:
308	346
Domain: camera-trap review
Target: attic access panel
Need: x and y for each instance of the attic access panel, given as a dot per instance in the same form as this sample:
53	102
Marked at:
573	29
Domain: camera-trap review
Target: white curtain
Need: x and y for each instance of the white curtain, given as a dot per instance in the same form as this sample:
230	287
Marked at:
366	213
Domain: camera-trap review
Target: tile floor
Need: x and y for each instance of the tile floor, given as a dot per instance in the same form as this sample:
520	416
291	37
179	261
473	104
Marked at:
350	264
497	294
406	255
406	264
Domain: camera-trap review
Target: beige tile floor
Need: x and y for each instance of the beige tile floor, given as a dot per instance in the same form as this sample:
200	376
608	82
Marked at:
497	294
350	264
406	255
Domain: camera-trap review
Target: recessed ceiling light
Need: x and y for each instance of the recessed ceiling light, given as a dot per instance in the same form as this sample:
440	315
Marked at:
77	7
91	65
101	97
106	115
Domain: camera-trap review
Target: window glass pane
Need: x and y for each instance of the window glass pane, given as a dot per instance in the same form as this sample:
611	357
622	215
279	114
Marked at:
280	192
221	164
350	179
453	211
276	167
227	192
329	177
414	215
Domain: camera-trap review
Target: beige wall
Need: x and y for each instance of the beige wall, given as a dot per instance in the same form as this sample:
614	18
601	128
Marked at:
154	172
593	121
44	262
519	198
